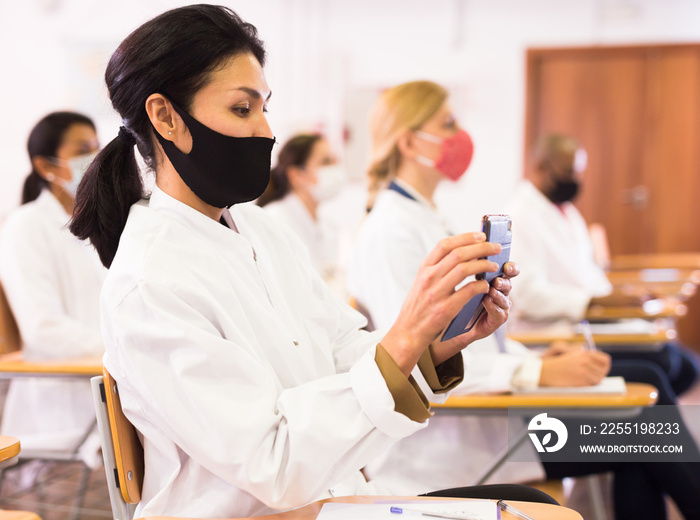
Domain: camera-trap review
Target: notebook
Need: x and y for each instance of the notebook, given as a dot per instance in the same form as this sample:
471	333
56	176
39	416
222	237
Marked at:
459	509
609	385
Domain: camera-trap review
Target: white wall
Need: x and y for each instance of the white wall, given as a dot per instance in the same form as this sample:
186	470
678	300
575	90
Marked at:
327	57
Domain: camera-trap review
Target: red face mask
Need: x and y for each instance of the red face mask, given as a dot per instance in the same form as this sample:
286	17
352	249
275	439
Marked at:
455	157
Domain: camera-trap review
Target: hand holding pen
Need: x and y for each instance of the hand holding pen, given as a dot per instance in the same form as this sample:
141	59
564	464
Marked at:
588	336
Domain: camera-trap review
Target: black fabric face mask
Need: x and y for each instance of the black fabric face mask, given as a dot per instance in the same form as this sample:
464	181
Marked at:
564	191
220	169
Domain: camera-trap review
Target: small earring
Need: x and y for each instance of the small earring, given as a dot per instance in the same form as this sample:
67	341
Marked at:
170	133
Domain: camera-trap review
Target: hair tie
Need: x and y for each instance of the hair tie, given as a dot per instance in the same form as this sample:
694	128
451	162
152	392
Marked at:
127	136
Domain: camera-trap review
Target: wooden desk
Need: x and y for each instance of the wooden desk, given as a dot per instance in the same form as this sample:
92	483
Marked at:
678	283
9	449
13	365
681	290
18	515
612	341
655	275
637	396
671	308
655	261
310	512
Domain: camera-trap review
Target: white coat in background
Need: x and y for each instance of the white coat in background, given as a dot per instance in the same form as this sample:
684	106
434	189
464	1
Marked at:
251	385
52	281
558	274
317	235
391	244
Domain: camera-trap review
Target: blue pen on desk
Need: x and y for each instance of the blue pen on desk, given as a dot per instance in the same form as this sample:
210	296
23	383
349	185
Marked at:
517	513
403	511
588	335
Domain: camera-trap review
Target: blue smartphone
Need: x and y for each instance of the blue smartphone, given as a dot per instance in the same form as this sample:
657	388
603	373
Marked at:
498	229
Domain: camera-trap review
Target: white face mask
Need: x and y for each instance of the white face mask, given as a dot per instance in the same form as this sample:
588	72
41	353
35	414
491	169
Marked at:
329	181
77	166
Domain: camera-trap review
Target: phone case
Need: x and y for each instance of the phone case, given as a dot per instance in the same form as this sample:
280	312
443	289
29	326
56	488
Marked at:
498	228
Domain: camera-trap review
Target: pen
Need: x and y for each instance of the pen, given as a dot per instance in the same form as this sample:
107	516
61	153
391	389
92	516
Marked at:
401	510
513	511
587	335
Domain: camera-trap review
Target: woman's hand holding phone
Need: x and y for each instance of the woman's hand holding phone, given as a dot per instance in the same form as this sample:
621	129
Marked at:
433	301
497	308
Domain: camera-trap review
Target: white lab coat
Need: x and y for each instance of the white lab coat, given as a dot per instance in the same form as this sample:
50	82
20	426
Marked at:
391	244
558	274
317	234
251	384
52	281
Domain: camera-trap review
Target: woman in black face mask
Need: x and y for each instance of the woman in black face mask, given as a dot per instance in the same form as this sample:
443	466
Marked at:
252	386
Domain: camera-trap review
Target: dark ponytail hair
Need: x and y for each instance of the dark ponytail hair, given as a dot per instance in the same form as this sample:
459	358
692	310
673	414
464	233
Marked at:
172	54
44	141
295	152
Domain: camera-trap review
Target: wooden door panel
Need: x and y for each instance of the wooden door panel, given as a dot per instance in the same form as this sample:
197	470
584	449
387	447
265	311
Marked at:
672	166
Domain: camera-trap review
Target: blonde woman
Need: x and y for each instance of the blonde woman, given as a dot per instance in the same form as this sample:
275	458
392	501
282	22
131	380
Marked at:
416	144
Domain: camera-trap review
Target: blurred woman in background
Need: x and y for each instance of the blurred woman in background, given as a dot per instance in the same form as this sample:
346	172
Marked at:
52	281
307	174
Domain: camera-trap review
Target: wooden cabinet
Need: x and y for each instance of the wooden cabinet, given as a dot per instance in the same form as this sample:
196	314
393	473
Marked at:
636	109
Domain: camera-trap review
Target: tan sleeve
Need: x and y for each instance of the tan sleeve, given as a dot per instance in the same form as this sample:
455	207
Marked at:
445	376
408	397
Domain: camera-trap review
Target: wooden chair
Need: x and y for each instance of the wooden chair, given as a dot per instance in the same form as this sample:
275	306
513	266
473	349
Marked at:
362	310
121	448
9	333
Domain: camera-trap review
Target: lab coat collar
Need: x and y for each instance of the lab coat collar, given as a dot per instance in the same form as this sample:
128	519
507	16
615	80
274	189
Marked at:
52	208
199	222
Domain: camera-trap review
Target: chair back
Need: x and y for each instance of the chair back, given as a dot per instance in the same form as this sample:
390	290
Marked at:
362	310
9	333
121	448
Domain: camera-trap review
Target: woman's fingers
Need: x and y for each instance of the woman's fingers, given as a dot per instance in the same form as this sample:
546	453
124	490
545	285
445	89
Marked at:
464	270
499	299
447	245
497	311
467	253
511	269
502	285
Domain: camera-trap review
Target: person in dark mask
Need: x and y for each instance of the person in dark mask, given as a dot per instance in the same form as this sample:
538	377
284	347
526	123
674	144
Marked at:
560	279
560	163
252	386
